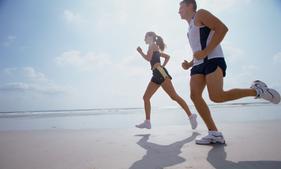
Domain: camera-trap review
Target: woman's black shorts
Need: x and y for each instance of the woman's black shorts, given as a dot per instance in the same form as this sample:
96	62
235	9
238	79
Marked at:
159	75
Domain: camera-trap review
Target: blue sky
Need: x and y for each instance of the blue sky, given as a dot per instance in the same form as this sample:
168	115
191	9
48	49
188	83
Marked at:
81	54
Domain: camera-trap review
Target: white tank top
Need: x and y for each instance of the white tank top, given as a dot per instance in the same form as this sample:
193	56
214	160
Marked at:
199	38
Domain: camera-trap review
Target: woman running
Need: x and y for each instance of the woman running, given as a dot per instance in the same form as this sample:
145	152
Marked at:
160	77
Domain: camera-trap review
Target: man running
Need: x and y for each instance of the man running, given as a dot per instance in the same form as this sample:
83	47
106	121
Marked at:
205	34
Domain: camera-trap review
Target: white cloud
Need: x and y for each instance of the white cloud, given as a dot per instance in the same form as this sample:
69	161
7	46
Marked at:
11	38
132	15
32	74
131	66
233	53
87	62
9	71
246	74
277	57
29	87
72	17
9	41
30	80
14	86
28	73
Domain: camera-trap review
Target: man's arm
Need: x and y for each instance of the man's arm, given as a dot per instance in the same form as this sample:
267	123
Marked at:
207	19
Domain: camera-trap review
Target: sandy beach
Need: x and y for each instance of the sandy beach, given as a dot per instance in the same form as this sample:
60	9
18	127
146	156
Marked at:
252	145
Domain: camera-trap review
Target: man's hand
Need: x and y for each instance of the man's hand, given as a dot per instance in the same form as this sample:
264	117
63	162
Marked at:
186	65
200	54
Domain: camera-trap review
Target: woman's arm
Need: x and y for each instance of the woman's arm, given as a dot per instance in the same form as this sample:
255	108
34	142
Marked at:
167	58
142	54
207	19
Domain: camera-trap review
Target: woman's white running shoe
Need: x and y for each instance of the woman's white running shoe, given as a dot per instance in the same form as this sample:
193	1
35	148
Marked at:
193	121
266	93
146	124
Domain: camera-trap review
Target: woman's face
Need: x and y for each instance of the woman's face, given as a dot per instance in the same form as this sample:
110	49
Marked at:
148	39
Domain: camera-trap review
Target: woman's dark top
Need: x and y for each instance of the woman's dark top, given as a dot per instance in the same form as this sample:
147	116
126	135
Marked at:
155	58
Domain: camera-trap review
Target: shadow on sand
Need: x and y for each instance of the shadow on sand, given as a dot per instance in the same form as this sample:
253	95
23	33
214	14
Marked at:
217	158
160	156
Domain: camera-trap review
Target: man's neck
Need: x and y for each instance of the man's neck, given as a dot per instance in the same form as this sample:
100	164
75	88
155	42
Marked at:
190	17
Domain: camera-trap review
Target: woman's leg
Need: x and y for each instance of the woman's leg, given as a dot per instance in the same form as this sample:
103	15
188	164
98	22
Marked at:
217	94
197	85
150	90
170	90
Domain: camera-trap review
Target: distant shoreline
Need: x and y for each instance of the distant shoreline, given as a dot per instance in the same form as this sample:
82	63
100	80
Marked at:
132	108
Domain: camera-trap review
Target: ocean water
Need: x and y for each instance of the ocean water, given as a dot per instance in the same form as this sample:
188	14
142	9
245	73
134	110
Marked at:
129	117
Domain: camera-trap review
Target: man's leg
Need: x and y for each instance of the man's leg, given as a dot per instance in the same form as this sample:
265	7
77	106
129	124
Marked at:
214	83
197	85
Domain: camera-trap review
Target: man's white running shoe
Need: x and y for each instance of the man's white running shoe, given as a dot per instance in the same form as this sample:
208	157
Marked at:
146	124
213	137
266	93
193	121
258	83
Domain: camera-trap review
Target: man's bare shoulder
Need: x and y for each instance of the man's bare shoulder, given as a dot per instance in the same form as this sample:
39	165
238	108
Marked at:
202	12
